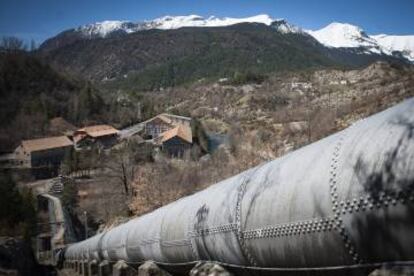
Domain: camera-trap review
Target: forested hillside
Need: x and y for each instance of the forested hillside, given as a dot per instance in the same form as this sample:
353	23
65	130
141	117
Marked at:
161	58
32	93
154	59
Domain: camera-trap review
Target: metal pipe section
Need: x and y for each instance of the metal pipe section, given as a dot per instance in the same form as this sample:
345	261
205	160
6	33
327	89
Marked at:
56	221
344	201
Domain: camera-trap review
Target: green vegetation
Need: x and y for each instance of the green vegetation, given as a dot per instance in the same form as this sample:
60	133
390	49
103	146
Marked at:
32	93
155	59
70	198
80	161
29	86
218	61
199	134
17	211
240	78
87	104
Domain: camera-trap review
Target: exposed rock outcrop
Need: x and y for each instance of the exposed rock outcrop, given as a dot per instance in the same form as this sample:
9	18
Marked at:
151	269
209	269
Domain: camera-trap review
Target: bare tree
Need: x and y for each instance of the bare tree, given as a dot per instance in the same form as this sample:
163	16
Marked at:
33	45
12	43
120	165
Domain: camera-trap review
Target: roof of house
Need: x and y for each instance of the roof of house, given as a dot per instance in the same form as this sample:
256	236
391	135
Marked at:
166	118
46	143
98	130
160	117
167	115
182	131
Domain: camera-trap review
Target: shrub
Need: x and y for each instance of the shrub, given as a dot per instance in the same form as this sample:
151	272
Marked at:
240	78
17	211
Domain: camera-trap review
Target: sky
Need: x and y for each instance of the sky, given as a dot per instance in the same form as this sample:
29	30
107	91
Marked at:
41	19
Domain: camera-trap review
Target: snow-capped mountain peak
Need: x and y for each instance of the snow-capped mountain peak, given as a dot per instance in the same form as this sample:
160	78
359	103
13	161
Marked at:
343	35
103	29
334	35
402	43
175	22
285	27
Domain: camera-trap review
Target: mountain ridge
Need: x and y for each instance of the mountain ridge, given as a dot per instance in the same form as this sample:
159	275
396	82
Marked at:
112	28
102	29
335	34
154	59
171	51
344	35
236	47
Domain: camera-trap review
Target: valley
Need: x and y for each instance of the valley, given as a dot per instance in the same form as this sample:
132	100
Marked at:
145	114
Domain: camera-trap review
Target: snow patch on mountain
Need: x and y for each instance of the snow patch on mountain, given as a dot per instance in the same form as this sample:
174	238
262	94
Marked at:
103	29
106	27
284	27
336	35
343	35
175	22
402	43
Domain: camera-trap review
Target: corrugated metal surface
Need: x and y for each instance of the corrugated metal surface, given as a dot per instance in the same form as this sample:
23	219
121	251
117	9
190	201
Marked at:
343	201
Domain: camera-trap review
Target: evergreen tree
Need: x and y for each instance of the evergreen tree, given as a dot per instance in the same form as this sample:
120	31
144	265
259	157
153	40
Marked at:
17	211
70	198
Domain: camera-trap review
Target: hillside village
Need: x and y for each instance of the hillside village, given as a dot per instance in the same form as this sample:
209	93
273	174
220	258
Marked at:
104	168
169	174
154	143
166	133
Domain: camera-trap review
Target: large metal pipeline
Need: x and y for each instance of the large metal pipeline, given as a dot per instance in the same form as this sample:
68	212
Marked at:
344	201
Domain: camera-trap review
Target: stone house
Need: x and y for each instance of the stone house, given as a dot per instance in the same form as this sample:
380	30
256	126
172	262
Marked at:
43	152
101	136
163	122
176	141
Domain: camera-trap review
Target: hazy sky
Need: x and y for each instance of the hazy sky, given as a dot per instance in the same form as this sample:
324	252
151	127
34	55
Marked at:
40	19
